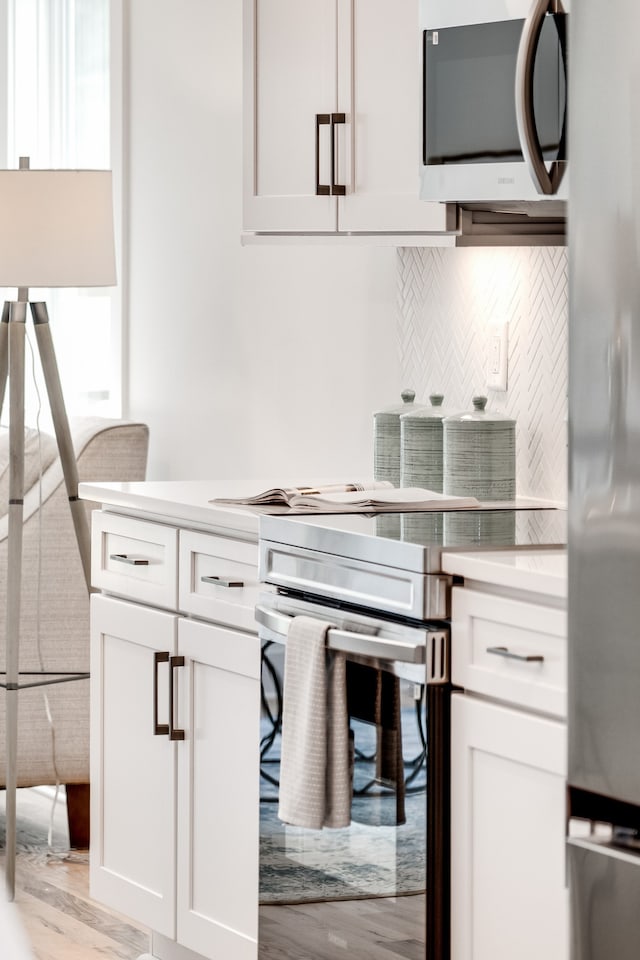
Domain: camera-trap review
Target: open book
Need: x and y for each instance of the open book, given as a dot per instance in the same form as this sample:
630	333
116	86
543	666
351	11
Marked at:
282	496
353	498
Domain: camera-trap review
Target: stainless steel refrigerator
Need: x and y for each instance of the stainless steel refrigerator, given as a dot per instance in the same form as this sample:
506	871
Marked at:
604	487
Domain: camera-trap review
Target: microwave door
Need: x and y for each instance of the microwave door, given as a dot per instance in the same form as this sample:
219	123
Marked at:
546	181
473	149
470	114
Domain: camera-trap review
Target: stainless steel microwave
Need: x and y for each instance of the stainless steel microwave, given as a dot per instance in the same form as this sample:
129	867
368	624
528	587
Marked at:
495	103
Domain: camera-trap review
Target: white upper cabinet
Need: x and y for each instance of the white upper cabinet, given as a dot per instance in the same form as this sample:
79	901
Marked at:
290	91
332	104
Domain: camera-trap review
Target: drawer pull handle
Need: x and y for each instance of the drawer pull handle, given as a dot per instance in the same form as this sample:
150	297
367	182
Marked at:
525	657
125	558
174	732
223	581
159	729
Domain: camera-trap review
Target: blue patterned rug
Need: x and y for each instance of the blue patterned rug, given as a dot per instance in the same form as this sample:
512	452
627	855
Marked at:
371	858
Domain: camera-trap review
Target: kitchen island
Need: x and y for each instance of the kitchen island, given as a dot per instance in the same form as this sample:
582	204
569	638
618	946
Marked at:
175	717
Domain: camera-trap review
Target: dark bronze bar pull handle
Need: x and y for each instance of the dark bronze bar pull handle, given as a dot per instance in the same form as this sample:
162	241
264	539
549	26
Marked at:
337	189
125	558
222	581
159	729
322	189
174	732
525	657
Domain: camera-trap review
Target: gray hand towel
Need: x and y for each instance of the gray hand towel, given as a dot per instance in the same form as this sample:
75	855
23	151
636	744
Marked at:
315	773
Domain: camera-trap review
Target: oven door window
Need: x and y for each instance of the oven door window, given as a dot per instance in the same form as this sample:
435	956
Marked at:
313	882
469	92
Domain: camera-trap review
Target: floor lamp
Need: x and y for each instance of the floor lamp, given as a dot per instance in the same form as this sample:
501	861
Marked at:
57	231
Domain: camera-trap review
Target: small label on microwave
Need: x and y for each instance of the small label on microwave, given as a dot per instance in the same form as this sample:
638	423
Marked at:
434	36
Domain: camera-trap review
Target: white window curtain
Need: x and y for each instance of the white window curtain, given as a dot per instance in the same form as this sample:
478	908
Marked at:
58	112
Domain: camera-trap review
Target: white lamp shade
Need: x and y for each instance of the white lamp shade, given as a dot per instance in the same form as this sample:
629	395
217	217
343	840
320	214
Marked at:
56	228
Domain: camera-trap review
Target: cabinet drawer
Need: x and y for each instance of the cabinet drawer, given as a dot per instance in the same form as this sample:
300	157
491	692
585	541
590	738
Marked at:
218	579
482	622
135	559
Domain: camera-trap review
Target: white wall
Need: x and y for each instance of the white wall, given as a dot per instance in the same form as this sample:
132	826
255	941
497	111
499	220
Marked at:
244	361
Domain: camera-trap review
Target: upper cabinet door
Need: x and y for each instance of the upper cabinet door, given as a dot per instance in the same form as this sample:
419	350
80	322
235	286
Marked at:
380	93
290	76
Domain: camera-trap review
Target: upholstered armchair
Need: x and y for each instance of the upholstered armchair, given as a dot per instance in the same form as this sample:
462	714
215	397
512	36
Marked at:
53	720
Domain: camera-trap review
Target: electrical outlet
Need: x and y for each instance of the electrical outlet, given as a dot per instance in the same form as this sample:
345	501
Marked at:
498	360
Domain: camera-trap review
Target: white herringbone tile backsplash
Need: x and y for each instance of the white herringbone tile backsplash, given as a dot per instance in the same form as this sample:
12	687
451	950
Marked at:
448	299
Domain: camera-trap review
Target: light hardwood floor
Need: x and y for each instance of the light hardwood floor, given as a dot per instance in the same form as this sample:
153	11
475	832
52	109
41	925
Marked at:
388	928
52	891
63	923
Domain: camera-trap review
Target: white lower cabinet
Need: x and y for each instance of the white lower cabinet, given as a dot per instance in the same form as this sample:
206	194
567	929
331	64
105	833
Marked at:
175	821
509	897
508	784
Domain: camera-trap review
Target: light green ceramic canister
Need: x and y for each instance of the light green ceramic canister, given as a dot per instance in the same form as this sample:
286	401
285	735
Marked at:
386	439
421	466
421	445
479	460
386	457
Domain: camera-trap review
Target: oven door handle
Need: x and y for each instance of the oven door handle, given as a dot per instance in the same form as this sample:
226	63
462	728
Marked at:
346	641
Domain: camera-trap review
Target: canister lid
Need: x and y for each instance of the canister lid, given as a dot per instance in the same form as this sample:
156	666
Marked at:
408	397
480	415
434	412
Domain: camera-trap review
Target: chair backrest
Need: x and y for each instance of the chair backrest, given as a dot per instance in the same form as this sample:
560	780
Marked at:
110	450
106	449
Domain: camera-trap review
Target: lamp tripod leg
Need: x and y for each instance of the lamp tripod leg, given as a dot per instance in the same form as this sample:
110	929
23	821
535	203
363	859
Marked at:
4	352
12	366
16	339
63	434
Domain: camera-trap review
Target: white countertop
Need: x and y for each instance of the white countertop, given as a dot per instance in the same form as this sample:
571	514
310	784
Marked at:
185	501
537	570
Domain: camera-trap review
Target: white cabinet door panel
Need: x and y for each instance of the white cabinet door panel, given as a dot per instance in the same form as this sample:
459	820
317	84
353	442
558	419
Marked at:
508	784
289	78
132	862
218	791
380	93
